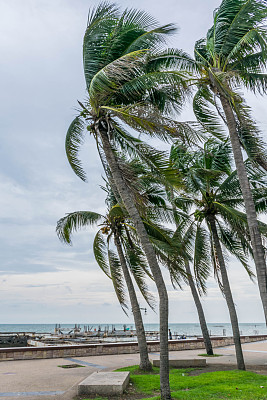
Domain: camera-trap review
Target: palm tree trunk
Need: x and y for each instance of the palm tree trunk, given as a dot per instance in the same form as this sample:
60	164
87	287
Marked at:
145	364
254	231
201	315
227	293
129	203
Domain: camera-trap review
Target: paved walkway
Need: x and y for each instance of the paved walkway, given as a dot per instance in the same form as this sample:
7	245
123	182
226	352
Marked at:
44	380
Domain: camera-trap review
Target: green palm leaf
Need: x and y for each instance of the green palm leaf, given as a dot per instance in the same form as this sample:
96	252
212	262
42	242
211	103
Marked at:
203	106
74	221
117	278
111	77
236	248
171	59
201	259
74	139
101	20
101	253
139	268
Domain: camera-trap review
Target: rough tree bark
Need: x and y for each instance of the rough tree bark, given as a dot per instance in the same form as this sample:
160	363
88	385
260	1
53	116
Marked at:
200	311
129	203
256	242
201	315
145	364
227	293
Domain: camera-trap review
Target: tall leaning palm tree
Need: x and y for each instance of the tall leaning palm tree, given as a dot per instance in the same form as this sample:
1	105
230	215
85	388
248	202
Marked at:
213	195
116	265
196	245
126	87
234	55
192	245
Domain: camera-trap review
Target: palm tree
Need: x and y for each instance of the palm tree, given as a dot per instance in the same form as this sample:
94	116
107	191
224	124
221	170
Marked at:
212	191
125	86
234	55
199	260
116	266
200	311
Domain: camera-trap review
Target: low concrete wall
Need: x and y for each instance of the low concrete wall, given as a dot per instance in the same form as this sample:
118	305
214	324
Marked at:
30	353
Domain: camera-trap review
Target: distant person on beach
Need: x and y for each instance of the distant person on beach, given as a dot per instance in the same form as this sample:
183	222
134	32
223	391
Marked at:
170	335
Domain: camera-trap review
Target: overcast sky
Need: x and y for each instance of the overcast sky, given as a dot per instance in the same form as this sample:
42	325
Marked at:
42	280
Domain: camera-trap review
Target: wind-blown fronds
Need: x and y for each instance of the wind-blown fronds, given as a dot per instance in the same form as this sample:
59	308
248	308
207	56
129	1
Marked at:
233	55
101	253
201	261
237	30
172	59
234	246
216	265
101	21
147	119
117	279
249	135
113	76
215	191
206	113
74	139
139	268
74	221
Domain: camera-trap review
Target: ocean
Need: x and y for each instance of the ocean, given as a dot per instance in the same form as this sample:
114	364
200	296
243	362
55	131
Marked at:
193	329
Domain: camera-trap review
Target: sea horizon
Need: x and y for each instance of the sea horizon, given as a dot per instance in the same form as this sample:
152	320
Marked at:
188	329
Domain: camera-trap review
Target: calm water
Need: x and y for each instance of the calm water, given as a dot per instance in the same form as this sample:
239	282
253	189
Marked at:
186	329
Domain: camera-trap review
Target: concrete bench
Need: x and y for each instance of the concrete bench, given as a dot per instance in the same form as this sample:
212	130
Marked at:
186	363
104	383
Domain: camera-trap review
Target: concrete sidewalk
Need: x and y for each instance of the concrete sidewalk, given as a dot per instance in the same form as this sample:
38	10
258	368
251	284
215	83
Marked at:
44	380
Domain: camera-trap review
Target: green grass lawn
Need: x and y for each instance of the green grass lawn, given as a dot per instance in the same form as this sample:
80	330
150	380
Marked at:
213	355
207	386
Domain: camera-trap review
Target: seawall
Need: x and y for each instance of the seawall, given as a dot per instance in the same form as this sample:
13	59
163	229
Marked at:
31	353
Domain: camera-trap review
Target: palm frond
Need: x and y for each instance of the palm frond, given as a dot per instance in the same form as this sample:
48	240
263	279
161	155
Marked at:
230	187
216	265
260	199
203	106
184	203
74	139
249	135
160	88
147	119
201	261
256	82
117	279
170	257
234	20
101	253
133	249
171	59
138	266
112	76
74	221
102	22
158	232
218	155
236	248
234	218
152	38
